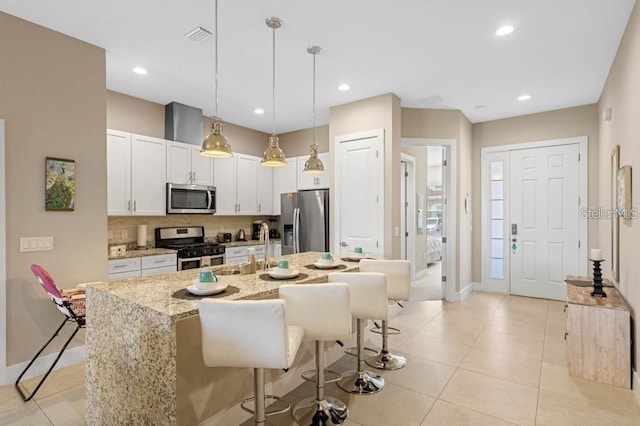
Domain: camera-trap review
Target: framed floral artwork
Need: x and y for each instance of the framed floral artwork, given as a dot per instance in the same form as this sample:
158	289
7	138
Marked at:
623	192
60	185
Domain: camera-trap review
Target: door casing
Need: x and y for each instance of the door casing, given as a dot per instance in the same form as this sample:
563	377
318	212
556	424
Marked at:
503	286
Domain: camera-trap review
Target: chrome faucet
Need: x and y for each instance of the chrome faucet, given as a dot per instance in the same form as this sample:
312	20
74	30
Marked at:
264	237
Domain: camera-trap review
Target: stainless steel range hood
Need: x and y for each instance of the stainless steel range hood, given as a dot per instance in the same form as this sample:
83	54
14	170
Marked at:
183	123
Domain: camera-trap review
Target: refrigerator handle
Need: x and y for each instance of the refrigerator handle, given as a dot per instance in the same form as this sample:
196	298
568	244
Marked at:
296	230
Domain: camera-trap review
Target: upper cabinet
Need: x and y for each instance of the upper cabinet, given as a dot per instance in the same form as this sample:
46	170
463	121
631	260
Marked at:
186	165
136	174
314	180
247	181
265	190
237	185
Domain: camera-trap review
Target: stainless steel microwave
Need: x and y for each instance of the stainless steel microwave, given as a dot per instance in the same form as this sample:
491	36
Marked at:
190	199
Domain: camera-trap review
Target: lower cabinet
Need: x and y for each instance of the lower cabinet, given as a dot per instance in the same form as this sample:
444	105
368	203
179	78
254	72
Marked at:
598	336
133	267
235	255
275	249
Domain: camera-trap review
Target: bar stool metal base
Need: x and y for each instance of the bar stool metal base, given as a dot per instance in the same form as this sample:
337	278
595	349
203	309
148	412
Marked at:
328	412
386	361
361	383
244	405
310	376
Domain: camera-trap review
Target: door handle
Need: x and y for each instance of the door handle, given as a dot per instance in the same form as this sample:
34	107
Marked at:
343	244
134	205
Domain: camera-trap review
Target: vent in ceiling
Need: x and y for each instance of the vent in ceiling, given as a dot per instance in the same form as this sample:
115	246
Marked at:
197	34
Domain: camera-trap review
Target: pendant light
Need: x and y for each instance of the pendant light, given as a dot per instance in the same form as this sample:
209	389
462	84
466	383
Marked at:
216	145
314	164
273	156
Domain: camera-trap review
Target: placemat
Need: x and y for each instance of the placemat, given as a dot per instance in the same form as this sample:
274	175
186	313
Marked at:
185	295
267	277
337	268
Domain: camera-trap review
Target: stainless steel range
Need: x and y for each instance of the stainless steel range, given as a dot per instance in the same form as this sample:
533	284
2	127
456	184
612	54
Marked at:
193	252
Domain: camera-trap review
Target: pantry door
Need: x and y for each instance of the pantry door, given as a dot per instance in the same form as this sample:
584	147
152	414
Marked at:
544	220
359	187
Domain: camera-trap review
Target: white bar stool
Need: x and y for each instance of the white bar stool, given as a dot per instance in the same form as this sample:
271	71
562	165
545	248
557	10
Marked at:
368	302
252	333
324	312
398	274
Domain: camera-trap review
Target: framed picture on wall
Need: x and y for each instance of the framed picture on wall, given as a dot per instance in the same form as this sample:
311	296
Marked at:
615	164
60	185
623	192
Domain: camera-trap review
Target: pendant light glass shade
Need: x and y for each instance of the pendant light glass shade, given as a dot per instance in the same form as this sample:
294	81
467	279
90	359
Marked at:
216	145
314	164
273	156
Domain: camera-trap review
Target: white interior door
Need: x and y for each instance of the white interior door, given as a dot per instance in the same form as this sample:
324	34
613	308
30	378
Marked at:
360	190
403	210
544	217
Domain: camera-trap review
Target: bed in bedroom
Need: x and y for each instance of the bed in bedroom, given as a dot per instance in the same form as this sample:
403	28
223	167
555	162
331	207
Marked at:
434	248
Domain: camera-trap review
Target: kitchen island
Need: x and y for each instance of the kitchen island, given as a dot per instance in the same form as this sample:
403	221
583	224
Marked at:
144	359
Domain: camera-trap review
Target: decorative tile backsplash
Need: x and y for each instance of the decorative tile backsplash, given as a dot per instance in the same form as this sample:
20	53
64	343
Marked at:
124	229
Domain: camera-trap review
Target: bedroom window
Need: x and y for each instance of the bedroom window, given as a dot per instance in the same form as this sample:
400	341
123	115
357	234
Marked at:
497	220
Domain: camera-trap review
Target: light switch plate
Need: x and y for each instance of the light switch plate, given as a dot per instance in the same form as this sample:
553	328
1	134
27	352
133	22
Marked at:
36	244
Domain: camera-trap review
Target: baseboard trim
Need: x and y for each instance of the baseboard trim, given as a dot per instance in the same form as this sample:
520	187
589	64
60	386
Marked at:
8	375
635	384
465	292
420	274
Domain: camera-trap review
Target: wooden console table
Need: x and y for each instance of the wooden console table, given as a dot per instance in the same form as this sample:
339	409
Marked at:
599	338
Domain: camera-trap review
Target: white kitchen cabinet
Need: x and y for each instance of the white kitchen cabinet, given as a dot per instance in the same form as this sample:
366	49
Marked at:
265	190
284	180
119	269
234	255
236	181
313	180
275	250
247	181
123	268
136	175
186	165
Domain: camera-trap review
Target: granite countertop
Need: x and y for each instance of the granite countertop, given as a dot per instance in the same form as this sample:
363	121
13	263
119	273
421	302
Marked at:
142	253
250	243
157	292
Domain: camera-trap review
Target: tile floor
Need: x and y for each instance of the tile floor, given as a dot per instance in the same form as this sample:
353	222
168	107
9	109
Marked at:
490	360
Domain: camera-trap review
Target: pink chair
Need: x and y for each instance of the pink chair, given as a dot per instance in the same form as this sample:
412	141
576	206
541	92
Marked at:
72	304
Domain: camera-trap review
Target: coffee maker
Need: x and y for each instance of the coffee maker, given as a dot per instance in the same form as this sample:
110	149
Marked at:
256	229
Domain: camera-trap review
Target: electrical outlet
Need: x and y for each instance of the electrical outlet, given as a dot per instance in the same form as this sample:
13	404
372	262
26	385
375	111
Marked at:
424	255
125	234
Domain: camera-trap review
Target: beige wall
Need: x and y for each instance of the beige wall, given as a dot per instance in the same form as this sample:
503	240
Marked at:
369	114
564	123
620	94
52	96
298	143
135	115
449	124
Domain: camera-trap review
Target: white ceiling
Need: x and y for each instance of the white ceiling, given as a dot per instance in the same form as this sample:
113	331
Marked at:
421	50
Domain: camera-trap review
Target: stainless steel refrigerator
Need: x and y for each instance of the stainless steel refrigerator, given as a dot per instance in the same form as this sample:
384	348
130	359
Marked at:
304	221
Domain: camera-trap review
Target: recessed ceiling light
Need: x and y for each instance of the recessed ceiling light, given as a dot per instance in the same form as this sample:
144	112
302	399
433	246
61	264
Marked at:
480	106
258	111
140	71
503	31
524	97
344	87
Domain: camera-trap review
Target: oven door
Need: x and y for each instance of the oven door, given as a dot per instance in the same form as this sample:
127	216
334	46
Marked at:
189	263
190	199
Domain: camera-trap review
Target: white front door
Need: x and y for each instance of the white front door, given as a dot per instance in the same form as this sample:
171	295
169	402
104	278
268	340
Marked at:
359	192
544	217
